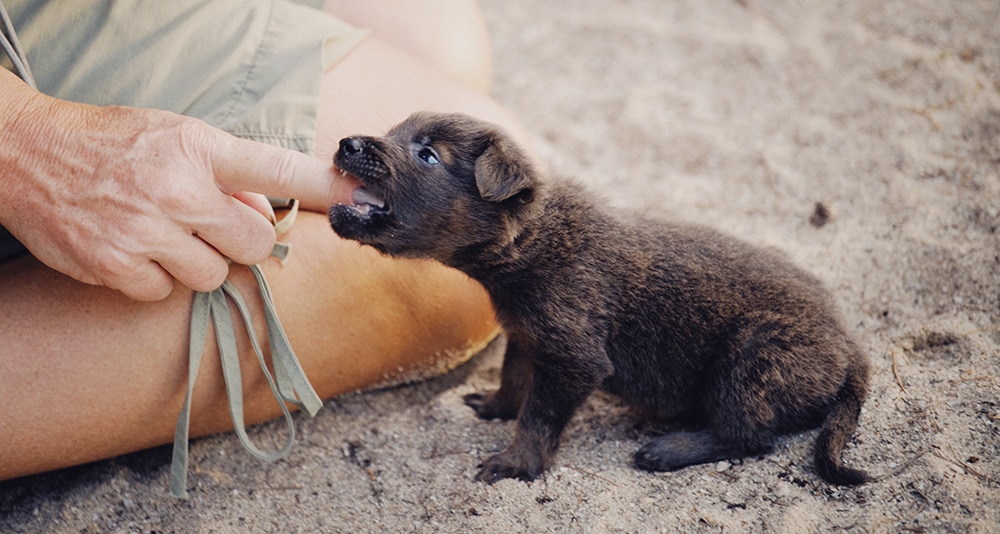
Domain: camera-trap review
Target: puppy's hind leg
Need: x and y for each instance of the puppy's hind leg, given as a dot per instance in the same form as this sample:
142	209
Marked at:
681	449
739	392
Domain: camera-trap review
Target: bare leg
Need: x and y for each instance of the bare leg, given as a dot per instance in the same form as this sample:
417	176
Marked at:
86	373
449	35
351	104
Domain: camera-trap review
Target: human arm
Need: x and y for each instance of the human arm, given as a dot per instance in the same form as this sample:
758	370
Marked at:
135	198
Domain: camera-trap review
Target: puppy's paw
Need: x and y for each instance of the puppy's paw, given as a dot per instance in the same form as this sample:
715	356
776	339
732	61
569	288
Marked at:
681	449
509	464
491	406
654	459
676	450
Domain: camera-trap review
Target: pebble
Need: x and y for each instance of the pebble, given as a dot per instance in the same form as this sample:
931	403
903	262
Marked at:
782	489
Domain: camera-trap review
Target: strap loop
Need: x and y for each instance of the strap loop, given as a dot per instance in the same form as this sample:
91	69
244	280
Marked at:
288	383
11	46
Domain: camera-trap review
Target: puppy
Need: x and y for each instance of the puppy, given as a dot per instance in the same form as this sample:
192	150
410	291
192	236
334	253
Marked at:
682	322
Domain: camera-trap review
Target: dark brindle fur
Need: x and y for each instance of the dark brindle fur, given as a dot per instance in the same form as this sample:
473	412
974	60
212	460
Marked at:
681	321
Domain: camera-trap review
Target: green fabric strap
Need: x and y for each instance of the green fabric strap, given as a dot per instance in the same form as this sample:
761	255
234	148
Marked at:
288	384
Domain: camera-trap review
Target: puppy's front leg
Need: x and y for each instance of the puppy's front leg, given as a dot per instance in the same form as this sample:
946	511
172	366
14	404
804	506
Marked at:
515	379
560	383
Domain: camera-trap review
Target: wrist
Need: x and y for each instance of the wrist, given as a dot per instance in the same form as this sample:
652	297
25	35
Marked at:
18	100
33	131
18	97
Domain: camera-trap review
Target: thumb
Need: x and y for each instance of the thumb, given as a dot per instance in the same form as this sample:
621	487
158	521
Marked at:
242	165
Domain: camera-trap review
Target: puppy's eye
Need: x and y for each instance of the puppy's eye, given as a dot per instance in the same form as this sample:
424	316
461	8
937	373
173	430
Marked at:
429	156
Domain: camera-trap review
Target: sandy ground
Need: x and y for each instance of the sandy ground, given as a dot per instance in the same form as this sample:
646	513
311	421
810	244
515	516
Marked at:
864	141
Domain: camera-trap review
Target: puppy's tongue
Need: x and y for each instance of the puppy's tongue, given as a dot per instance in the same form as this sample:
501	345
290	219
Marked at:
363	196
348	183
360	195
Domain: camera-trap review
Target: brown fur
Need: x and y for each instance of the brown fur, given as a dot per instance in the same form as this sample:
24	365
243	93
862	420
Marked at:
679	320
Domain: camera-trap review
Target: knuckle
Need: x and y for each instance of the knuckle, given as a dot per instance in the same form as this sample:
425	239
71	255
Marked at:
150	291
257	242
144	284
209	277
192	134
137	277
285	168
112	265
259	247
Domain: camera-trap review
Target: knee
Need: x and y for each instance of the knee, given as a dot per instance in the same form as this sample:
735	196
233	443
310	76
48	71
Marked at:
462	47
449	35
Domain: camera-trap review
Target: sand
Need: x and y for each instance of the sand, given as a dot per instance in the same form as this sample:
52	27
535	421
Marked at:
862	138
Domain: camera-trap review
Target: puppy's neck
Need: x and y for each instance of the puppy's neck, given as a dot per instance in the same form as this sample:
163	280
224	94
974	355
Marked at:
555	231
491	263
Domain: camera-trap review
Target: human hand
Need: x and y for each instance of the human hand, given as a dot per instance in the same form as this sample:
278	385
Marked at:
135	199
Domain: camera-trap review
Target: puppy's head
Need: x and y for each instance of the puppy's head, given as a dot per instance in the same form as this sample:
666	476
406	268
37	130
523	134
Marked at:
437	186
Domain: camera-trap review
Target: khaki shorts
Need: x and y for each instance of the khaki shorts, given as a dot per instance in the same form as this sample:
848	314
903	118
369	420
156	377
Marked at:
250	67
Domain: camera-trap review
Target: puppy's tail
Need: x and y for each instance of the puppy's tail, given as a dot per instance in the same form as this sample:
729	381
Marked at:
840	425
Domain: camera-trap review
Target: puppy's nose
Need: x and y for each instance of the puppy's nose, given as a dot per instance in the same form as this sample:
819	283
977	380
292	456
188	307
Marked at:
351	146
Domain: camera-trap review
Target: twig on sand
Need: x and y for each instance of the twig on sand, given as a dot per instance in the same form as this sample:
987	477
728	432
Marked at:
909	463
955	460
895	370
595	475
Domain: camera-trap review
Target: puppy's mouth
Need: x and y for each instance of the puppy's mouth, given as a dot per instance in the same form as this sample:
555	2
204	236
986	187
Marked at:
365	202
368	213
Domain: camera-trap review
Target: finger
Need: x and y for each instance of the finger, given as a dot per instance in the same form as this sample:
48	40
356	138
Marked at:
146	281
138	279
258	202
237	231
196	264
241	165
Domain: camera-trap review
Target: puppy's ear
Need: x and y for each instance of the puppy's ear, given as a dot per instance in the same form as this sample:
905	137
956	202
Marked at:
504	172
